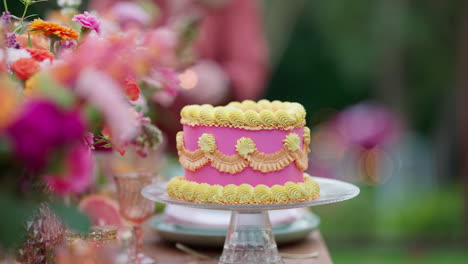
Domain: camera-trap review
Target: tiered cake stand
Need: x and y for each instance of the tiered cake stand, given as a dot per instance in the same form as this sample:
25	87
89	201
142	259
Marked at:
249	238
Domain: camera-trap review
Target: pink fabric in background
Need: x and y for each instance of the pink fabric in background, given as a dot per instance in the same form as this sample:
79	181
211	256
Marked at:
233	37
268	141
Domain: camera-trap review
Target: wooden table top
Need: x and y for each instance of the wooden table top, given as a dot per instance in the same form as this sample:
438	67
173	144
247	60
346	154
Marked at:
165	252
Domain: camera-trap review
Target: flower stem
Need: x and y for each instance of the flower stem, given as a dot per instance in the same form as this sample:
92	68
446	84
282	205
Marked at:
20	28
5	5
24	12
52	44
29	39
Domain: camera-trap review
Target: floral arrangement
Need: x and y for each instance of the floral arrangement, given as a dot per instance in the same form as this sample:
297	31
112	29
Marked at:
74	84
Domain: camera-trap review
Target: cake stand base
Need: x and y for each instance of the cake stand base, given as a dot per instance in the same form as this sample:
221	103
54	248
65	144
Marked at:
250	239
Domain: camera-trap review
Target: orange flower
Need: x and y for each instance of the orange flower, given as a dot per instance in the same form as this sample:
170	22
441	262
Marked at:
9	102
131	89
63	73
25	68
40	55
38	26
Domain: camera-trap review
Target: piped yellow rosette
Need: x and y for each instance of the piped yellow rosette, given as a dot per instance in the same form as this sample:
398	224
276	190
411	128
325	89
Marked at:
181	189
246	114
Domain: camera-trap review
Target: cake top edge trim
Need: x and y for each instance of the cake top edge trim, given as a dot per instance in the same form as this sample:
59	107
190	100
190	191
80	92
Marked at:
255	128
246	114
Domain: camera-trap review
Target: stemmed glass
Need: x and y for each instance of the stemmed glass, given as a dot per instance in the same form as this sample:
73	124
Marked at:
134	207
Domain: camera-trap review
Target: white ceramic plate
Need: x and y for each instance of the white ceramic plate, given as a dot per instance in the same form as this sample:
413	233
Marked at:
206	237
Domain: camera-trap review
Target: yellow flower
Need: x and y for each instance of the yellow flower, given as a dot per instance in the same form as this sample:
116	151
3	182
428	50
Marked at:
38	26
31	85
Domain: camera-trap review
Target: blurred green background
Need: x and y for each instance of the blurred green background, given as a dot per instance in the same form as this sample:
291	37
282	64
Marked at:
407	56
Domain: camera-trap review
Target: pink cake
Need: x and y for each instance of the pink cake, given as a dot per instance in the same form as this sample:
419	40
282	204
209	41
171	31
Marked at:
244	153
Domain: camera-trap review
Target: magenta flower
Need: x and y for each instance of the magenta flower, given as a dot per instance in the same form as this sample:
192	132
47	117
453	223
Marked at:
88	21
68	44
368	125
77	174
41	128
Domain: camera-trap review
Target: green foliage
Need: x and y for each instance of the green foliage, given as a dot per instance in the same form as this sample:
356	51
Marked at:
20	210
16	213
436	215
95	118
429	216
339	50
159	207
391	255
357	232
353	219
71	216
21	25
48	86
31	2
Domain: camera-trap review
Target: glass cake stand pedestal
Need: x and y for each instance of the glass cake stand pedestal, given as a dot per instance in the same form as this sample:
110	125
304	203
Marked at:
249	238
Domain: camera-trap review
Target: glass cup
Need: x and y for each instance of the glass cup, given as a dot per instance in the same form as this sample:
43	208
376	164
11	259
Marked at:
134	207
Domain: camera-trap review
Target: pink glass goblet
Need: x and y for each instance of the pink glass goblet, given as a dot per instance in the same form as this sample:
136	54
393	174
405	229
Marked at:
134	207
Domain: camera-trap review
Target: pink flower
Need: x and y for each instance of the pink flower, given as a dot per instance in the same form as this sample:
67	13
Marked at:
88	140
164	41
77	174
68	44
110	100
167	79
140	117
130	13
118	57
88	21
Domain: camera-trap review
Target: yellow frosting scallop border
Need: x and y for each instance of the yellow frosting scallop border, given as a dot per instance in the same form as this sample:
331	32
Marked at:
247	154
247	115
181	189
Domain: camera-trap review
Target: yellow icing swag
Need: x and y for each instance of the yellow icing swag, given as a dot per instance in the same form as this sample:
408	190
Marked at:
182	189
247	154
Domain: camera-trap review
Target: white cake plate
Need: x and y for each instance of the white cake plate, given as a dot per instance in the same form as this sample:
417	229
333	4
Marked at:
249	238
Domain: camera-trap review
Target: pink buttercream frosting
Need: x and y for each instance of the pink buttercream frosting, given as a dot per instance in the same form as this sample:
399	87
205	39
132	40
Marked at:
266	140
